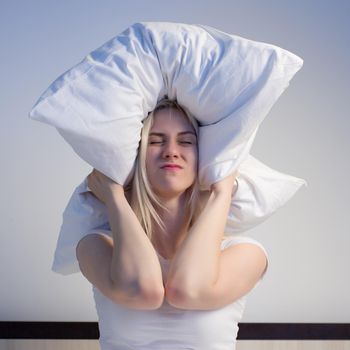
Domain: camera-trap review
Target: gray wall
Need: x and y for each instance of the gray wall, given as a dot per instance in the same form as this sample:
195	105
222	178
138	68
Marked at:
305	134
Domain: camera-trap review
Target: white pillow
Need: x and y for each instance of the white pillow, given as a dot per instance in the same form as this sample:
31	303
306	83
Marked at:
261	191
227	82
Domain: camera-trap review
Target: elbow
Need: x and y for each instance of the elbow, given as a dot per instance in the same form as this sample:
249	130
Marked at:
174	297
182	298
152	297
138	298
152	292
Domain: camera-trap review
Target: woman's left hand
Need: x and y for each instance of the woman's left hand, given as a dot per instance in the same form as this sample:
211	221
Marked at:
227	185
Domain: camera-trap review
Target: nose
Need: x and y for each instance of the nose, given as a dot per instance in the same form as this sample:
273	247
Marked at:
170	150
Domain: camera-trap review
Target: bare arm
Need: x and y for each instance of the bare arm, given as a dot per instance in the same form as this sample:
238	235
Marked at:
127	270
195	266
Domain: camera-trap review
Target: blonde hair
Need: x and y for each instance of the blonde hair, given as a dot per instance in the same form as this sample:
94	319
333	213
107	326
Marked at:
143	199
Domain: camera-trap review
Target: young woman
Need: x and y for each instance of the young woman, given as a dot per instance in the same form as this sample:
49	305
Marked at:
165	276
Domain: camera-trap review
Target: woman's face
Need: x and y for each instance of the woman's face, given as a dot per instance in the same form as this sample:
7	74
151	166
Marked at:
171	159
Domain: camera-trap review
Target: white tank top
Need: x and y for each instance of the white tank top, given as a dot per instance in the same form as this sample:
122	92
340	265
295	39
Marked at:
169	328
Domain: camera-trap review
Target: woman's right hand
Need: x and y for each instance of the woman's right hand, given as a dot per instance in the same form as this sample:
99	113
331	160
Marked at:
103	187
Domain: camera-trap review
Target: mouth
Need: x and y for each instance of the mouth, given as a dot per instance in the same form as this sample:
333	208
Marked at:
171	167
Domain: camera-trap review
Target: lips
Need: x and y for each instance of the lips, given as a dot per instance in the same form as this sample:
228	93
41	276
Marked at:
171	166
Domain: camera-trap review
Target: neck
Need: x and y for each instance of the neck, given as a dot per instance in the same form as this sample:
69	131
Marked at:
173	204
174	217
174	220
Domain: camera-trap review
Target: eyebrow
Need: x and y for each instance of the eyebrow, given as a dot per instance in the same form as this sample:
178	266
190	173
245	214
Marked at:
180	133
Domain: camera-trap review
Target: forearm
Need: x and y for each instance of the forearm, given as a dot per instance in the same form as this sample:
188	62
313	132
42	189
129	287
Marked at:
196	263
135	267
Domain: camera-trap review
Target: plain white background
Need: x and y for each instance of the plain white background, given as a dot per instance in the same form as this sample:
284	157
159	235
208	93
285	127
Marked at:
305	135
